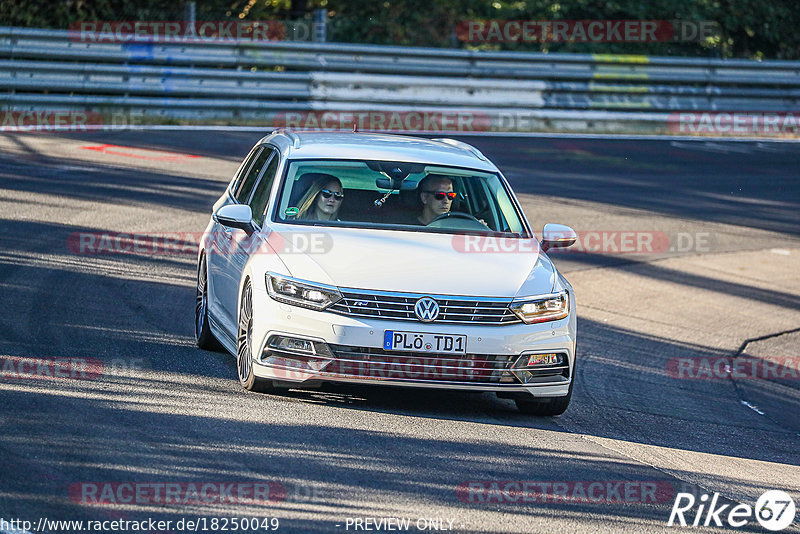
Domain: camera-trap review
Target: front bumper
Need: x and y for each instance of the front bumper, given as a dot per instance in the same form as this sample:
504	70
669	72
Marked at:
350	350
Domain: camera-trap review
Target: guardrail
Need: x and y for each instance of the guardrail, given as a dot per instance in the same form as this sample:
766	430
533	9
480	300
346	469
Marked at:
252	81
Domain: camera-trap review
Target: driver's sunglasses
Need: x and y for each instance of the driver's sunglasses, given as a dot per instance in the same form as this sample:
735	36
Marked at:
327	193
441	195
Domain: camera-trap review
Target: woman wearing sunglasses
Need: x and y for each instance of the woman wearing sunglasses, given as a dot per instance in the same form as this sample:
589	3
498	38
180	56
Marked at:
436	194
322	201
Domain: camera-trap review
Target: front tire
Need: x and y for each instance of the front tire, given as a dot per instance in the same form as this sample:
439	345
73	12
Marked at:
244	344
548	406
202	331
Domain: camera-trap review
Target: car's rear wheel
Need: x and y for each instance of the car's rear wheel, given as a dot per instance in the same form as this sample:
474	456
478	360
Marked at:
202	331
244	344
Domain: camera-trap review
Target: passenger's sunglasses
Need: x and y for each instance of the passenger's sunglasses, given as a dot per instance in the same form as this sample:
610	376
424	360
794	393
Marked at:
441	195
327	193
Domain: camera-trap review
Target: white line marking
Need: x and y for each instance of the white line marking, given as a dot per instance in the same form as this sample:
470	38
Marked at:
77	168
753	407
762	146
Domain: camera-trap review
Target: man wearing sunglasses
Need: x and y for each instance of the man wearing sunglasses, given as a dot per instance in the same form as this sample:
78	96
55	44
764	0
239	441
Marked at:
437	195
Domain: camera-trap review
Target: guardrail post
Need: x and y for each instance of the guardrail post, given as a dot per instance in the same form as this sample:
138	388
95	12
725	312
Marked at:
190	16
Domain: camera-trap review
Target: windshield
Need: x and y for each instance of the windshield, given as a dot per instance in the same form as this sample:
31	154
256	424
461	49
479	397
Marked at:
407	196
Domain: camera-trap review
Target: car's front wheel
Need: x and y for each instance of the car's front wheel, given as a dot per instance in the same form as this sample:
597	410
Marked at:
548	406
244	344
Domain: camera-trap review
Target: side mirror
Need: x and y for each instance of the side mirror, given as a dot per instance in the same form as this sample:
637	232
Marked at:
236	216
557	236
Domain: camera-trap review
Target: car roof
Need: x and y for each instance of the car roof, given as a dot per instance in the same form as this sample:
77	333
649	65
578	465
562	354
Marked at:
377	146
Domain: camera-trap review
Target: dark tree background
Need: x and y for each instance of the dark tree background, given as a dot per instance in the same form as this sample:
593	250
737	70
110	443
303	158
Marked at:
761	29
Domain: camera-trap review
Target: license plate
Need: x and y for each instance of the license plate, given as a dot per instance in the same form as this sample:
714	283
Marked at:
424	342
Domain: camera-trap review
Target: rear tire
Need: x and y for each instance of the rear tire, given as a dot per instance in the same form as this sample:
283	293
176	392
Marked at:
202	330
244	345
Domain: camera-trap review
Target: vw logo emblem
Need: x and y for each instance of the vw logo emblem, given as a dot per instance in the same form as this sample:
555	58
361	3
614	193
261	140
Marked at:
426	309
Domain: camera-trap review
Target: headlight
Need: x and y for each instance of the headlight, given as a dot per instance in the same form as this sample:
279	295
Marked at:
541	309
301	293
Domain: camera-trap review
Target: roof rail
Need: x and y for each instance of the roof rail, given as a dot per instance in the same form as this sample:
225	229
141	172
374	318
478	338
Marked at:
291	135
462	145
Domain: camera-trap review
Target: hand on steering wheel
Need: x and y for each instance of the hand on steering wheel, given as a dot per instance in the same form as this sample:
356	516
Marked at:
458	215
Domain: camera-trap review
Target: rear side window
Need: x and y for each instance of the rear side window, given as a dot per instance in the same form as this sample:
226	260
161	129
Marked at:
242	172
243	194
260	198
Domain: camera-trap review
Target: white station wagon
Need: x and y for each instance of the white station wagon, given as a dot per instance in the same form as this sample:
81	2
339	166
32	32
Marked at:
384	259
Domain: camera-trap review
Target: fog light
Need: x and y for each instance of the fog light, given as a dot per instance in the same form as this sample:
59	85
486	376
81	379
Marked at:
544	359
294	358
291	344
530	367
527	361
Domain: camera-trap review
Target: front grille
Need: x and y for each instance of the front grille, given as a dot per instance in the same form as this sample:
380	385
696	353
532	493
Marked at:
378	364
400	306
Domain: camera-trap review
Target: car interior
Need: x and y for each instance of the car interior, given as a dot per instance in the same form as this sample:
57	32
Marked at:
389	193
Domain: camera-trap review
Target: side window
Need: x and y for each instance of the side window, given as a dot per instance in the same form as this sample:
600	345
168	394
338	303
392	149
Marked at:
240	174
242	195
261	196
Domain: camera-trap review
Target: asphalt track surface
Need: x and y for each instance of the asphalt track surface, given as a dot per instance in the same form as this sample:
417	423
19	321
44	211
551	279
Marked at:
163	411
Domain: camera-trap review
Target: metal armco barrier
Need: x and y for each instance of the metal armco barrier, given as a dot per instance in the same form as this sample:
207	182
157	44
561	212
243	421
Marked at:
260	82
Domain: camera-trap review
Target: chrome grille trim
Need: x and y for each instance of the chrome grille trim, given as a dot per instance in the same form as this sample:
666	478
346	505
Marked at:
453	309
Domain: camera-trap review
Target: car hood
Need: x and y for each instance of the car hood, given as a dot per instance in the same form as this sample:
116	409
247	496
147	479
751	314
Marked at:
415	262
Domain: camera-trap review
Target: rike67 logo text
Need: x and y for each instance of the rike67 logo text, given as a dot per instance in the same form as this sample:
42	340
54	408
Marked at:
774	510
